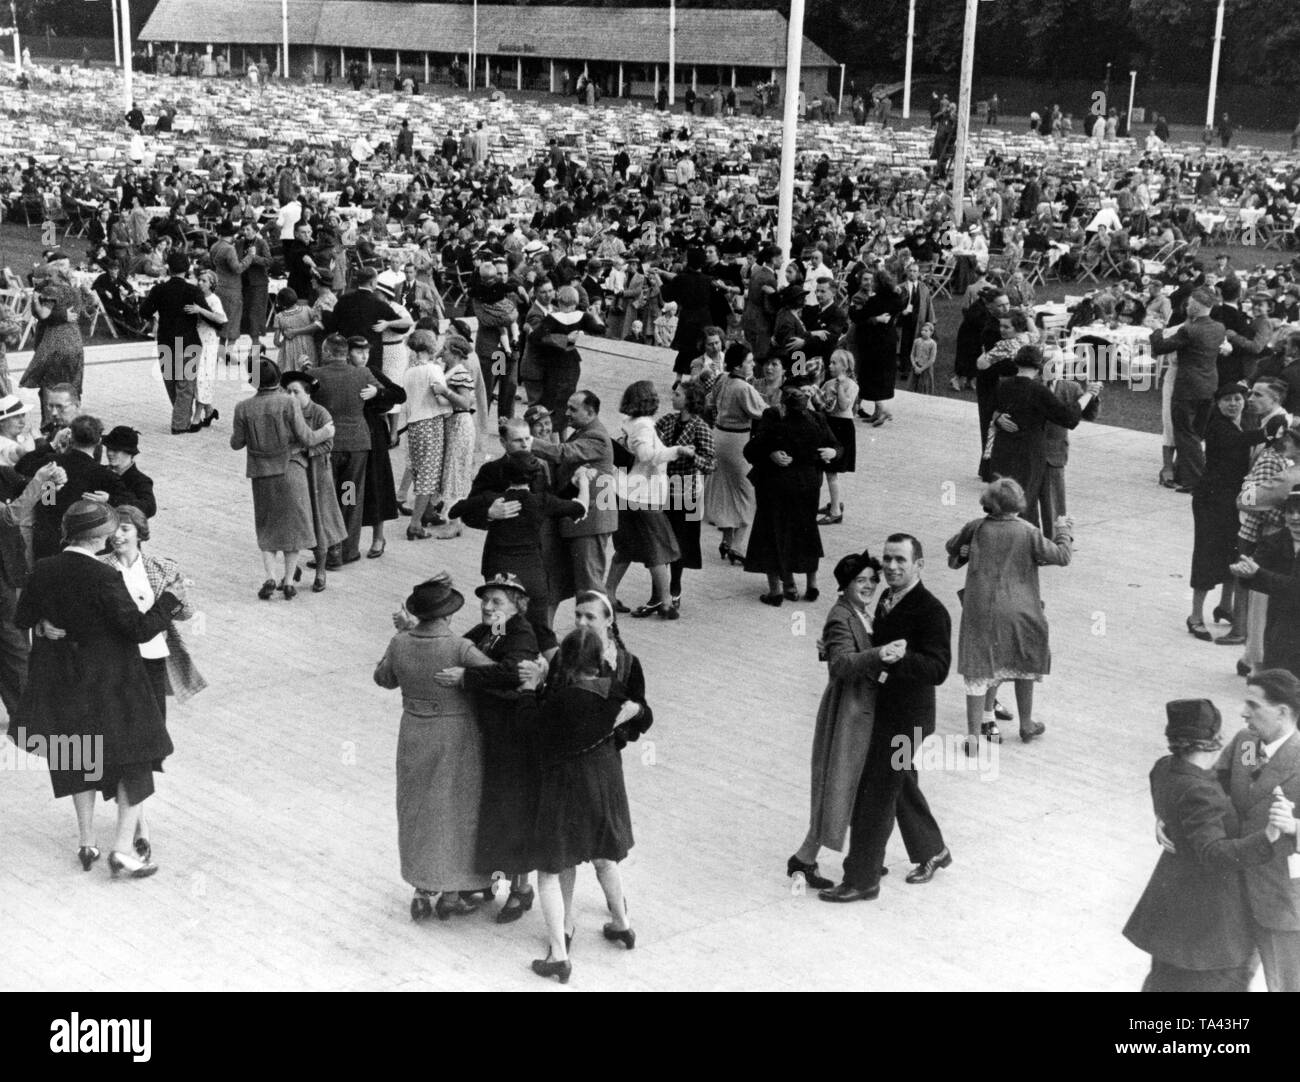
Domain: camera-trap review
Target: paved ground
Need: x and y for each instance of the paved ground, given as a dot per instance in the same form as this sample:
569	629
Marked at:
274	822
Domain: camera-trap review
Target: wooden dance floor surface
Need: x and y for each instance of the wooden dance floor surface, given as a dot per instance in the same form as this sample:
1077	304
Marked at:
275	828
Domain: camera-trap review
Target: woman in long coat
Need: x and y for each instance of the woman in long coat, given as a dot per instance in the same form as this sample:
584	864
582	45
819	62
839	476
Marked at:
380	502
875	343
1215	518
59	355
1193	918
271	426
229	269
511	764
845	716
439	754
789	450
87	681
1003	626
326	515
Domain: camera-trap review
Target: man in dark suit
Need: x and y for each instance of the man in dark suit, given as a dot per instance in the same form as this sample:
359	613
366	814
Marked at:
362	312
343	390
585	540
918	309
825	321
85	478
1197	343
916	631
1262	758
179	348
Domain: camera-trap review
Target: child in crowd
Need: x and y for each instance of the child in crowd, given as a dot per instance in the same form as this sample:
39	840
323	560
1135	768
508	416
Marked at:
924	351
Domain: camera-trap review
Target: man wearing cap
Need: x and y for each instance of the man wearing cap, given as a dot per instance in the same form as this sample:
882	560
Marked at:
344	390
121	447
362	312
174	302
87	477
1197	344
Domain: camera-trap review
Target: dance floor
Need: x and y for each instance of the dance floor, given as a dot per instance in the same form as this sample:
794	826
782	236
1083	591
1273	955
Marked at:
275	828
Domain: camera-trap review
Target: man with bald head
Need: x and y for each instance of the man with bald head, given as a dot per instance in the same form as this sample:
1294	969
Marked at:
1197	343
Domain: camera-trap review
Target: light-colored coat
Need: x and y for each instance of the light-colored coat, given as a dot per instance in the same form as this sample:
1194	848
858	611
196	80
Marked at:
844	722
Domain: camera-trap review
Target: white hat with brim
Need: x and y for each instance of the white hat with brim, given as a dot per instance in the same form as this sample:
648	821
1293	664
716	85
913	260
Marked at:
12	406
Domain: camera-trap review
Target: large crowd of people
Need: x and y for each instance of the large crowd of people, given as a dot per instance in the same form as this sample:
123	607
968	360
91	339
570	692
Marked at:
396	303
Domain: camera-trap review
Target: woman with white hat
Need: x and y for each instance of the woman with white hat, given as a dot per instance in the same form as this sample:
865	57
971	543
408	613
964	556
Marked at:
15	438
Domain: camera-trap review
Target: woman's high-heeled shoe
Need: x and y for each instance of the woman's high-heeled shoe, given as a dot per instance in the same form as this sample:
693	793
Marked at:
1197	630
724	550
453	905
215	415
421	906
734	557
418	533
775	600
547	967
811	876
289	590
121	863
827	519
319	585
1033	732
87	854
627	937
377	549
267	590
1221	615
812	593
517	904
790	593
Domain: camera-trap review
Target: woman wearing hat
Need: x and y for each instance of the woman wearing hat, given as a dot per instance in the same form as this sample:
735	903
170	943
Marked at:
1215	517
229	268
789	450
459	434
1002	553
87	681
16	439
380	502
326	515
844	718
121	449
1193	918
396	351
508	807
272	428
439	755
875	342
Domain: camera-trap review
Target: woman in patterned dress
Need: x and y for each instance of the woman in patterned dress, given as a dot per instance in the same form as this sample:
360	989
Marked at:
459	434
424	416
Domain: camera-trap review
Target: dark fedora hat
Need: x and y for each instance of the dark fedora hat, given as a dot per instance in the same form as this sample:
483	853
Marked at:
434	597
122	438
502	582
1192	720
288	379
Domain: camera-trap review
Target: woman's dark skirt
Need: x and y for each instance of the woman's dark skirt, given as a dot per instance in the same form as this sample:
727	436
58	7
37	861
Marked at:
582	811
508	805
845	431
686	529
645	537
1170	978
1214	547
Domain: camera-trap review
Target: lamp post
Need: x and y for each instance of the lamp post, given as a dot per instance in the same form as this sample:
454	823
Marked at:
907	63
789	128
1214	66
672	51
18	53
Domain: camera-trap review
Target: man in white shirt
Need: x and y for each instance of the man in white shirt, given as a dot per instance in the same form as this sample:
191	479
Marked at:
815	271
288	217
